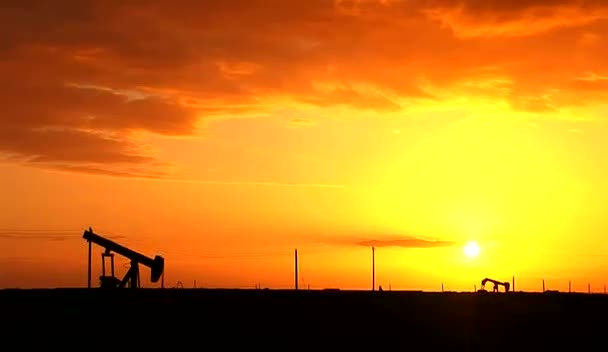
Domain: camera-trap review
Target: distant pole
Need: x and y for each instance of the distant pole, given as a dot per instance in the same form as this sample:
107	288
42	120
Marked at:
194	283
513	283
442	287
569	286
89	267
474	288
373	269
604	289
162	280
296	268
589	288
543	285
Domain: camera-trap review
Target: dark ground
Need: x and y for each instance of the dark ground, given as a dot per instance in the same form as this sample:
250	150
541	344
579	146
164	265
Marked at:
290	319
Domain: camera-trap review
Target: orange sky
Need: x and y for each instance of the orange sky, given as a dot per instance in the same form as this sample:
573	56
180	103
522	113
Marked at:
224	134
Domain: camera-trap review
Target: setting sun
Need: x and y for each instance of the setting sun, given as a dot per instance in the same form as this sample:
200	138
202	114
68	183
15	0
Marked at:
471	249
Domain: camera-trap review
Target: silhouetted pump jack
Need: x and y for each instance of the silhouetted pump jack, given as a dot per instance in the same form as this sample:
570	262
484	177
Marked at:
506	285
131	278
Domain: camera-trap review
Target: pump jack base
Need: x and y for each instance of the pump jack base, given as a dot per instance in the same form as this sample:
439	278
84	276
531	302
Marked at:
109	281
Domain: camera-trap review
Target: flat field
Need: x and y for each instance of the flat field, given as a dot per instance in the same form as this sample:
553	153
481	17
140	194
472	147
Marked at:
317	319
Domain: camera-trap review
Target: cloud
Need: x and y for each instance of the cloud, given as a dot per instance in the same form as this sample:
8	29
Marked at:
342	96
93	170
380	240
44	235
302	122
81	79
49	237
481	18
406	243
259	183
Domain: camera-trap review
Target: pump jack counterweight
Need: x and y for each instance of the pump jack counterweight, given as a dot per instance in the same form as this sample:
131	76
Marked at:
131	278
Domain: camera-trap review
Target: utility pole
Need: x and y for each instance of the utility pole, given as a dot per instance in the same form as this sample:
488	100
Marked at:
442	287
569	286
543	285
513	283
89	267
296	268
589	288
373	269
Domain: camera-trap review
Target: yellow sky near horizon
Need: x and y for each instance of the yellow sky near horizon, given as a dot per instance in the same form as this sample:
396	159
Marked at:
187	133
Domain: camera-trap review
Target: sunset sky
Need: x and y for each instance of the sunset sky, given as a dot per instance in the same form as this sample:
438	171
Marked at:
224	134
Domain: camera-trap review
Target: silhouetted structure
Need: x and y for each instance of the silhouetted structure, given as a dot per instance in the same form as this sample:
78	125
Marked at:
373	269
131	278
296	269
506	285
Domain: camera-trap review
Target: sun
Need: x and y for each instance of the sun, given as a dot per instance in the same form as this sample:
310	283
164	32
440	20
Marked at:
471	249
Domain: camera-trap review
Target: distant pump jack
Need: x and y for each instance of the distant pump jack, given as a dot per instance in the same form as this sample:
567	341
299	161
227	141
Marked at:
506	285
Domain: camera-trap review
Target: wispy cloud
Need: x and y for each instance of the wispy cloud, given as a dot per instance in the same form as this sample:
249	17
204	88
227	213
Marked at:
406	243
93	170
379	240
151	175
263	183
251	183
301	122
44	235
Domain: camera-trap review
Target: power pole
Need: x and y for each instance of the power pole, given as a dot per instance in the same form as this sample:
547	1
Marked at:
543	285
373	269
569	286
89	268
513	283
589	288
296	268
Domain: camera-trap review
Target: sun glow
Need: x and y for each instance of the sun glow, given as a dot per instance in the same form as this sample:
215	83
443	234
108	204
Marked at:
471	249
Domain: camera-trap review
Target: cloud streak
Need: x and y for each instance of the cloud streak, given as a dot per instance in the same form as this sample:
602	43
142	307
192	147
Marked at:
379	240
406	243
42	235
